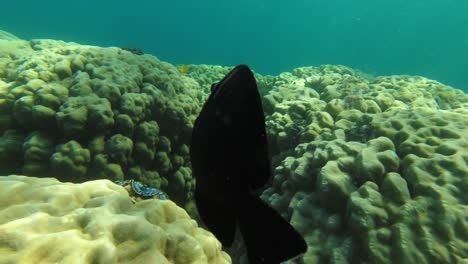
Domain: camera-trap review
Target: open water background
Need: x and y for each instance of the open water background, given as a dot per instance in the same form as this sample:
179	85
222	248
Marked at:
381	37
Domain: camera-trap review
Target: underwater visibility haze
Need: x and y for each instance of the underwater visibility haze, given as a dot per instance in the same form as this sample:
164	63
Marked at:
428	38
128	136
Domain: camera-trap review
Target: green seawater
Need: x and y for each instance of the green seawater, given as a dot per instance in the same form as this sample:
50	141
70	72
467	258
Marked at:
419	37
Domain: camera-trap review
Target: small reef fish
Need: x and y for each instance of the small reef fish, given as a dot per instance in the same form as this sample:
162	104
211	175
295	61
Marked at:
183	68
135	51
230	161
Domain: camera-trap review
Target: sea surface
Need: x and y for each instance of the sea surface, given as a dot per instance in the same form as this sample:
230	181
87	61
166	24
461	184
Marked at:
380	37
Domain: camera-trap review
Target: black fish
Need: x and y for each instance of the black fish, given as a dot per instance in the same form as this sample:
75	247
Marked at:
229	153
135	51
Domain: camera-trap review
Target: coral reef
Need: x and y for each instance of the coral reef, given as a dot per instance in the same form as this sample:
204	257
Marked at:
7	36
206	75
370	169
43	220
382	178
79	112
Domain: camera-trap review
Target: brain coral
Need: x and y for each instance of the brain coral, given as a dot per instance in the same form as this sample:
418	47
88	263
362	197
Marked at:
120	111
46	221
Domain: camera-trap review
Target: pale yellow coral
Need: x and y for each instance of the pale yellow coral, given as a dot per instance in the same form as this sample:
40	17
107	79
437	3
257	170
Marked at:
46	221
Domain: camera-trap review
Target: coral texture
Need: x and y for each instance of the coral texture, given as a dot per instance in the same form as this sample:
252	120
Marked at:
81	112
370	170
45	221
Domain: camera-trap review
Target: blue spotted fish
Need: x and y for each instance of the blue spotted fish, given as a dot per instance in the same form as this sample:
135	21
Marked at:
142	190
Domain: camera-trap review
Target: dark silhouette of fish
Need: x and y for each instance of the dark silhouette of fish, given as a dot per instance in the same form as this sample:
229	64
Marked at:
229	154
135	51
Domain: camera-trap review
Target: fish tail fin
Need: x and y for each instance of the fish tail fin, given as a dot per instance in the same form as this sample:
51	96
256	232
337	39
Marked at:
268	237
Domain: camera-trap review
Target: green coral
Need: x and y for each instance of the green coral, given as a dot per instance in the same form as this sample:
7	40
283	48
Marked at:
70	160
37	149
148	177
146	138
386	172
22	110
90	95
101	168
377	159
136	105
11	150
119	149
51	95
366	209
163	162
79	116
63	68
82	85
148	133
124	125
184	185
